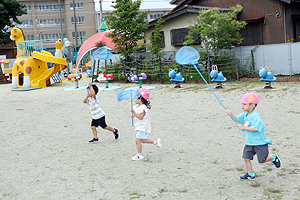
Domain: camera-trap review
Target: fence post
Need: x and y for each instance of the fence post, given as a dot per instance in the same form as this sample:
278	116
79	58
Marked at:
252	57
160	75
236	68
136	66
123	69
208	66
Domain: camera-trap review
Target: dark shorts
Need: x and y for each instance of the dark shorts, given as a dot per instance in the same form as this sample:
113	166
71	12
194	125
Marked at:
262	152
99	122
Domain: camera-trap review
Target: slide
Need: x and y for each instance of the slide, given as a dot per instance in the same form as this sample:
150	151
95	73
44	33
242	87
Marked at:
44	78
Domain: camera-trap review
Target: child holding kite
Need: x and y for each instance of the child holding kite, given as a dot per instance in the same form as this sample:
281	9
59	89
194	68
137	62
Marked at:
98	115
140	112
256	142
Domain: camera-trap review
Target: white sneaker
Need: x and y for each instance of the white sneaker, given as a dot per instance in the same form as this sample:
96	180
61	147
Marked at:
137	157
158	143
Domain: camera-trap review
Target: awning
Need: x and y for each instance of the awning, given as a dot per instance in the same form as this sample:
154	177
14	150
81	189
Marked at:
252	19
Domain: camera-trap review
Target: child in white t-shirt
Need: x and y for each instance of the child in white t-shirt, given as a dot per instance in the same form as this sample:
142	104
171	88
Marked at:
142	123
98	115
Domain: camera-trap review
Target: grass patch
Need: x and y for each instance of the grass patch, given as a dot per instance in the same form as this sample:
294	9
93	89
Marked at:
161	190
182	190
136	195
256	184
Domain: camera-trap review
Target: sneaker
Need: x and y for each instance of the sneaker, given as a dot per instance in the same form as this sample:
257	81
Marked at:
94	140
117	133
276	162
137	157
247	177
158	143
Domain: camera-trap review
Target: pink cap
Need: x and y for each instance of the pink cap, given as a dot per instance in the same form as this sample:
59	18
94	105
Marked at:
250	98
144	92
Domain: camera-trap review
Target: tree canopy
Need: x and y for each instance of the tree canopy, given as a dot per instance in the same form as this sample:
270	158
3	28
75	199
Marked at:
127	25
217	30
9	10
156	39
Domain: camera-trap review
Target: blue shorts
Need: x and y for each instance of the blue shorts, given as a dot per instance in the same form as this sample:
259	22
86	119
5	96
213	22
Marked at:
141	135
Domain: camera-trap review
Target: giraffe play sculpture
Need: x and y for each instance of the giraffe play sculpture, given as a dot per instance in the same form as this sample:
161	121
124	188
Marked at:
17	35
35	68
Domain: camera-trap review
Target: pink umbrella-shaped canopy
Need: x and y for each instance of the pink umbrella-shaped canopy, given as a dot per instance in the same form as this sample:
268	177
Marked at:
90	44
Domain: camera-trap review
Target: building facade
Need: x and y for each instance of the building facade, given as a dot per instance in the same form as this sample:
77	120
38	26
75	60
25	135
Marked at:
52	20
152	14
268	21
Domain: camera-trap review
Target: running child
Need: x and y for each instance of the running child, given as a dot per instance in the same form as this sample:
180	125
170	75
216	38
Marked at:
98	115
251	124
140	112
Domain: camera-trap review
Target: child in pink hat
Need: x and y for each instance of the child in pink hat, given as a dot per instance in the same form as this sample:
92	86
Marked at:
140	112
256	142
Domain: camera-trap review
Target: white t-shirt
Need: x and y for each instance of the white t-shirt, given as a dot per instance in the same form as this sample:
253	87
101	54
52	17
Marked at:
144	124
95	108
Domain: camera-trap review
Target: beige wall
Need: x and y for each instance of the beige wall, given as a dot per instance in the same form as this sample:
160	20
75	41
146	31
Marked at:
182	21
88	12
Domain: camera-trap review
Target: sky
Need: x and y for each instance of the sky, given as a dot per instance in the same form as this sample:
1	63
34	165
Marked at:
146	4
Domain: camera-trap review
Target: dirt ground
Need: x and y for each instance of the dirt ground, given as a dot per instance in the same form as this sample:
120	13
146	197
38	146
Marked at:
45	152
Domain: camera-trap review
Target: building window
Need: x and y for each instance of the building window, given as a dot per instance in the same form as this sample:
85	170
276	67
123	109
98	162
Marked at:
52	37
48	7
28	8
79	20
178	36
80	35
78	5
24	24
155	16
49	22
29	37
162	35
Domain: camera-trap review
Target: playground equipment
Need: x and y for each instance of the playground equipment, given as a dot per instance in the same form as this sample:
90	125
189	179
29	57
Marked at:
35	69
137	78
67	53
75	79
217	77
5	66
104	78
175	77
91	44
267	76
33	64
17	35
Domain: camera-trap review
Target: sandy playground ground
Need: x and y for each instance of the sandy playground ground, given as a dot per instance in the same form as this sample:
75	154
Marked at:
45	152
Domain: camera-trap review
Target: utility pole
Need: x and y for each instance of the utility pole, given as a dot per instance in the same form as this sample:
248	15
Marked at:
75	23
101	17
61	27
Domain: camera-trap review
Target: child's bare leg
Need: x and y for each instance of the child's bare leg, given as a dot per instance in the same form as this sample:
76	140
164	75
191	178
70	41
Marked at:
94	131
110	129
269	158
138	145
249	165
147	141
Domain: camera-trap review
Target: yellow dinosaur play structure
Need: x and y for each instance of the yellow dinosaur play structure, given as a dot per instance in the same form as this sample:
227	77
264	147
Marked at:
35	68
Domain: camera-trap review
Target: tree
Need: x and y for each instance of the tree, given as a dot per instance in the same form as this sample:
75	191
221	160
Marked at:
9	10
127	25
156	39
217	31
